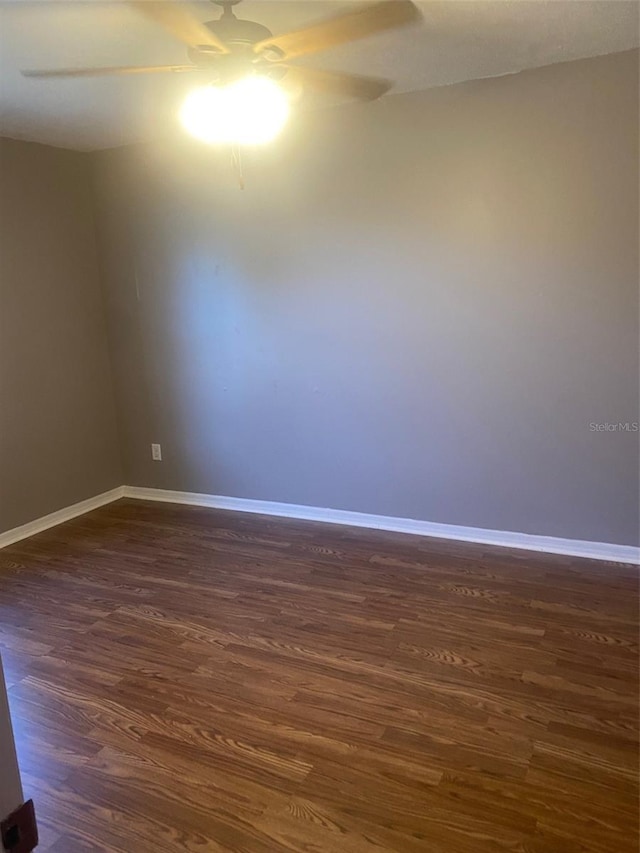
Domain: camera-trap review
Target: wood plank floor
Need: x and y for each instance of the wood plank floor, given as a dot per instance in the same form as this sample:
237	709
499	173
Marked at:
187	679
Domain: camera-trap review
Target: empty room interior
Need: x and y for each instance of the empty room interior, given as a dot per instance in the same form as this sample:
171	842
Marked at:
319	426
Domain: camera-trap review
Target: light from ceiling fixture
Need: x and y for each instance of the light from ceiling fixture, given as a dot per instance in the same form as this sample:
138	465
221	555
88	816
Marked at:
250	111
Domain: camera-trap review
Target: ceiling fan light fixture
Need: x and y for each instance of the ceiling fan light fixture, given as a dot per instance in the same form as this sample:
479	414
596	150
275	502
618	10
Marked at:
249	111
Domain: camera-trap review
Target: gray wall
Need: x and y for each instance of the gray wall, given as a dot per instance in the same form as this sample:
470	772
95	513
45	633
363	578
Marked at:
58	442
416	308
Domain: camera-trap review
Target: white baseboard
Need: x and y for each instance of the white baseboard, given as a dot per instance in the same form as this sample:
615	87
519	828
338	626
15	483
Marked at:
506	539
54	518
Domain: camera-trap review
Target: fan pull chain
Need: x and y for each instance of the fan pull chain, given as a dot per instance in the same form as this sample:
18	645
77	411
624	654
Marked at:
236	162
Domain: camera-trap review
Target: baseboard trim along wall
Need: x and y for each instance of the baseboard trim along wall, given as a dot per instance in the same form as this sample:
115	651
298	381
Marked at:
58	517
506	539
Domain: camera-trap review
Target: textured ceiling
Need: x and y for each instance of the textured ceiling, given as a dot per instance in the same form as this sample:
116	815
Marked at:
458	40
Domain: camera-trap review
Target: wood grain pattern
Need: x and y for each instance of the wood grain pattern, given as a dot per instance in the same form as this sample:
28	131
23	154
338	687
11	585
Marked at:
189	679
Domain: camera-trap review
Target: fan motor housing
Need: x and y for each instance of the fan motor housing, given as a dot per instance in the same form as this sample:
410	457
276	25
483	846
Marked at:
232	30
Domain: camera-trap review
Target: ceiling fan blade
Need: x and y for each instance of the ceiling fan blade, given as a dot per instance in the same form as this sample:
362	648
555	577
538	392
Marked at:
336	83
354	25
181	21
96	72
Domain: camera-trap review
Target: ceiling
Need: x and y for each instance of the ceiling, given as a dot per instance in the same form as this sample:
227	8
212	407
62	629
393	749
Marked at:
458	40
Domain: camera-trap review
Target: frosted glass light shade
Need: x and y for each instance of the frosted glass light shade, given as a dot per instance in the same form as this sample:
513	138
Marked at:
250	111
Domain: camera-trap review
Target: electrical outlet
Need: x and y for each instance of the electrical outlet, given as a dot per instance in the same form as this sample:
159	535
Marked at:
156	452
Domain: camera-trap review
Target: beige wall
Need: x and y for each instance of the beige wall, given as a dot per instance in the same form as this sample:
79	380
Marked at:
58	442
417	307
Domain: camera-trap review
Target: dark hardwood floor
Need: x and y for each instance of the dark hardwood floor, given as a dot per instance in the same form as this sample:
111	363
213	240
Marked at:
187	679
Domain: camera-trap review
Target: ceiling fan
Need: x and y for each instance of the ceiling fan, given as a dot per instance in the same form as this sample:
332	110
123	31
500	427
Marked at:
230	48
